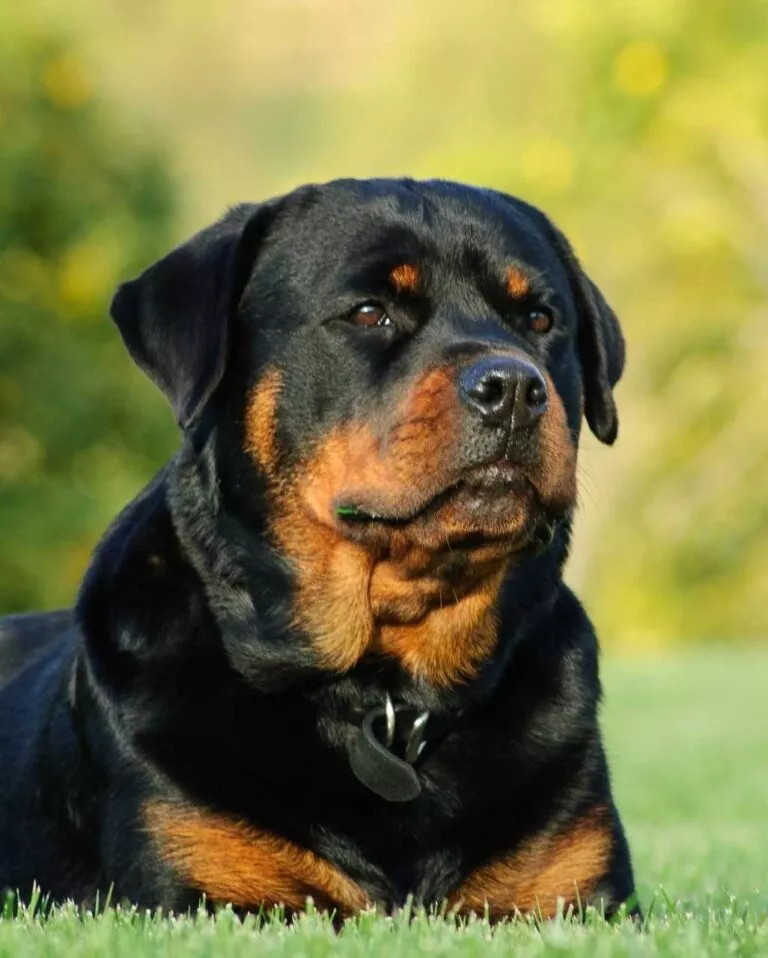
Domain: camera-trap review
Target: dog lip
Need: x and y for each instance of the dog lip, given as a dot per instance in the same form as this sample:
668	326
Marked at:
499	476
349	509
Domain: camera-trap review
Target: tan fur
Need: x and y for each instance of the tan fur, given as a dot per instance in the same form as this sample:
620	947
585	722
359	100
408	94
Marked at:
231	862
567	866
403	597
405	278
260	421
556	478
518	283
448	643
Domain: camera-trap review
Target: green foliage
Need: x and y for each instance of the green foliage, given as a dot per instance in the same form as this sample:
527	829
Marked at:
691	785
80	208
641	127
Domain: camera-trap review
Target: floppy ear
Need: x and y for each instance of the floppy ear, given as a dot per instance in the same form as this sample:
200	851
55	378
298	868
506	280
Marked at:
175	317
601	348
600	341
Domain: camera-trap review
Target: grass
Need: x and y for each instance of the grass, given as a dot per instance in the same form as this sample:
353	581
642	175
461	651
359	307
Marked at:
689	747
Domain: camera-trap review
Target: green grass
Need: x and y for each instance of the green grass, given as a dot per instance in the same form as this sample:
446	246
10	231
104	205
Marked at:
689	747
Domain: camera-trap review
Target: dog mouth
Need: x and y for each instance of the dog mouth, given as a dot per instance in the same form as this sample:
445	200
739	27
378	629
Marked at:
485	496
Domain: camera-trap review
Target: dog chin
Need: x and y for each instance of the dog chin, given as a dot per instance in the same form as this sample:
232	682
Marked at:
480	510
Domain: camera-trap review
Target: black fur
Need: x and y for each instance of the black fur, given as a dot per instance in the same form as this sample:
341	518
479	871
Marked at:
181	673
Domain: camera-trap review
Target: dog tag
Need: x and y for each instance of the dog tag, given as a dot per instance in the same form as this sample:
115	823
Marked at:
379	769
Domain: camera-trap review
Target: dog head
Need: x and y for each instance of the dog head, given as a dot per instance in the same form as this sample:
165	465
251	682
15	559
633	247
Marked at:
398	371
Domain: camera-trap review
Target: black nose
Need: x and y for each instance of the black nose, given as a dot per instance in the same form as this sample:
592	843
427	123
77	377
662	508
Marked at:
504	389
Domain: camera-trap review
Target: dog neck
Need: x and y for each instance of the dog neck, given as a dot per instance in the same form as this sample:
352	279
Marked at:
434	617
433	612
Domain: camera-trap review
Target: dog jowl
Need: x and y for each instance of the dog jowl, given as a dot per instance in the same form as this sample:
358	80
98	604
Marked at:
328	652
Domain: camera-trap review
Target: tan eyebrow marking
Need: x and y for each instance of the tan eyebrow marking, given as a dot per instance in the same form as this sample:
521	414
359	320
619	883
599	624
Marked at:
518	284
405	278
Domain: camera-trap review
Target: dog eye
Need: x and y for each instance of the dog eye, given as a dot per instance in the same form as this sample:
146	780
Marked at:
540	321
370	314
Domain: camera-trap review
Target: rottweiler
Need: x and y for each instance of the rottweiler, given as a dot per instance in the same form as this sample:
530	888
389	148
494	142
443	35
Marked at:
328	653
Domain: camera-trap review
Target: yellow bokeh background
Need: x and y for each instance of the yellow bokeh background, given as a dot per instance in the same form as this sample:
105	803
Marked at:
641	128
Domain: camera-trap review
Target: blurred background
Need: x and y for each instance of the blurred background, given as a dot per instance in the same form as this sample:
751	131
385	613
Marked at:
642	128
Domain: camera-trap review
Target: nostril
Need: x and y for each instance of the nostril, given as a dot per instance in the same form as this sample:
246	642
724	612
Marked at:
489	390
504	391
536	394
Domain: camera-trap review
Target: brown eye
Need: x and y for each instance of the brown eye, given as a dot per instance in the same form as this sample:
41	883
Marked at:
370	314
539	321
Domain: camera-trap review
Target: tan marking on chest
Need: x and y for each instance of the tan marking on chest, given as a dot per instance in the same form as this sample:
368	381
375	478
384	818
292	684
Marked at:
568	866
352	602
231	862
440	630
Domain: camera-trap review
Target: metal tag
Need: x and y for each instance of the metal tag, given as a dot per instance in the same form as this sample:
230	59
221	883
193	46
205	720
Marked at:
379	769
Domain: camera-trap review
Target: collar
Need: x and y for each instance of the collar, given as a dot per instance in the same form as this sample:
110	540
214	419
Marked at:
387	746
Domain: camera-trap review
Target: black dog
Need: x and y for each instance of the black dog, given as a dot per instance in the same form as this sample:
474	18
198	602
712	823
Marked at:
328	652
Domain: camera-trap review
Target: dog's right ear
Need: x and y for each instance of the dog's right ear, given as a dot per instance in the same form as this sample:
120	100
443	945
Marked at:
175	317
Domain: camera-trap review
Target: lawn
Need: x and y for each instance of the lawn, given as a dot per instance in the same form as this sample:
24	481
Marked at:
688	738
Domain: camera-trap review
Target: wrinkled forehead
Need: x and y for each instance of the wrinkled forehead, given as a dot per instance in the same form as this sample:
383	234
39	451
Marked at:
355	235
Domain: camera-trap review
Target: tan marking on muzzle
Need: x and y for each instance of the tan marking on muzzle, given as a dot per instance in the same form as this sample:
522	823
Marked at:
261	421
556	476
393	597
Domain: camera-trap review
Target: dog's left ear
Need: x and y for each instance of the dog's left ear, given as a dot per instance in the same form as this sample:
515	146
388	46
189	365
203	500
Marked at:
601	349
175	318
600	341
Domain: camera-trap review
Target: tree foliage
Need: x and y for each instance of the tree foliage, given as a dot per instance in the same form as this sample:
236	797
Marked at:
80	208
641	127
